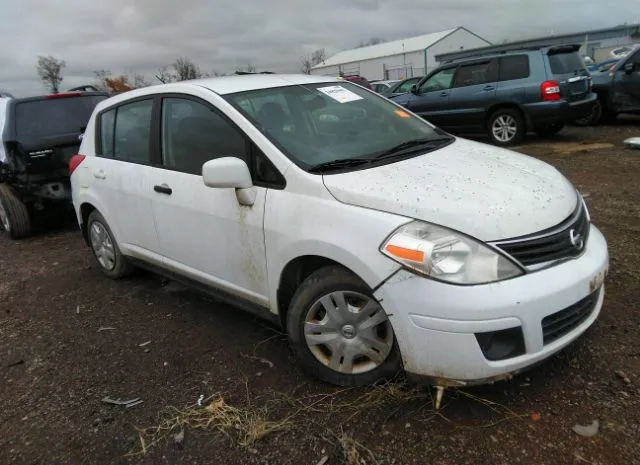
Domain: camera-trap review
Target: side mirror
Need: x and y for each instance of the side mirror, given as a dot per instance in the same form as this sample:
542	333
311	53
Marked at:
414	89
629	68
230	172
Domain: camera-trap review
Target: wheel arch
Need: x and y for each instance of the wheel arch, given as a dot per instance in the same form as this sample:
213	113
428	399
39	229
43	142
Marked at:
294	273
510	105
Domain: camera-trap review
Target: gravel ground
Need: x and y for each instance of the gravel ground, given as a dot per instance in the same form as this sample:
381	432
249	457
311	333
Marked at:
69	337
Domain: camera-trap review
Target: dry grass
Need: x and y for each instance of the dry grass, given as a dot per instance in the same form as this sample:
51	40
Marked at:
243	426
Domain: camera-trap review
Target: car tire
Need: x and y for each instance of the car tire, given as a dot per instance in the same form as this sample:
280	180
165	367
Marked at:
594	118
549	130
506	127
14	215
339	332
105	249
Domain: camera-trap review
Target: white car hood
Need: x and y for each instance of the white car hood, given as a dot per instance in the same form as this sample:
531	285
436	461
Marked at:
484	191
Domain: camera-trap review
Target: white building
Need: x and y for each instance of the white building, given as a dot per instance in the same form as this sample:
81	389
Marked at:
399	59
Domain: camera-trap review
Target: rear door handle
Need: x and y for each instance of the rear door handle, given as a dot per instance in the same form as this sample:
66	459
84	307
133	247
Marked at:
99	174
444	94
163	189
488	87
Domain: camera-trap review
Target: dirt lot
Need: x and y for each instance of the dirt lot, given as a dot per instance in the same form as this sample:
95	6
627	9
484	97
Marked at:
58	362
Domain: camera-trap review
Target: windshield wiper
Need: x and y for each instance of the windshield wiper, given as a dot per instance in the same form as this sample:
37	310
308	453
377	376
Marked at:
341	163
410	144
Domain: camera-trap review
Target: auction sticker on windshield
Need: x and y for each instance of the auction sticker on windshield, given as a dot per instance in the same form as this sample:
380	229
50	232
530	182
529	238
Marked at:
339	94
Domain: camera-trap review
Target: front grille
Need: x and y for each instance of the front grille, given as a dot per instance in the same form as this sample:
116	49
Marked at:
560	323
553	244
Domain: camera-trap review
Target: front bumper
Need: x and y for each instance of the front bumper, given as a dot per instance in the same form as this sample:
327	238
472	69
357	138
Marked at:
436	323
560	111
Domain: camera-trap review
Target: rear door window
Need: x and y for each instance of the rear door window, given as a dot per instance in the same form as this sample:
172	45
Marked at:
565	63
514	67
474	74
54	116
133	131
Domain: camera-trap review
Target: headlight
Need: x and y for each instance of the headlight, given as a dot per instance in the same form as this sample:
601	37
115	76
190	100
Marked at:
445	255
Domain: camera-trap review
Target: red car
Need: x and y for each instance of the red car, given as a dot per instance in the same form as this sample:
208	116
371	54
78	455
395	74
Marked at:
358	80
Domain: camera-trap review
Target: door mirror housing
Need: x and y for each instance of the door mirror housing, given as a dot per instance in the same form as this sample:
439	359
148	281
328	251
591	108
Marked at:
227	172
414	89
230	172
629	68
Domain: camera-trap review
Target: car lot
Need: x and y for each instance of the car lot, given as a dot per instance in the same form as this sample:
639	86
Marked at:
60	358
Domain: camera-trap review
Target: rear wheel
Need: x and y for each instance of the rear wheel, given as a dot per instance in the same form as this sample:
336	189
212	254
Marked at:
506	127
105	249
340	333
14	215
549	129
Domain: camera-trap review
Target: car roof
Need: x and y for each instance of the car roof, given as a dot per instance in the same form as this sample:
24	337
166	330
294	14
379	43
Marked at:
225	85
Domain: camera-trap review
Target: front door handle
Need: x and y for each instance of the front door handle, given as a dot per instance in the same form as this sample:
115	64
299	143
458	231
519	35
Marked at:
163	189
488	87
444	94
99	174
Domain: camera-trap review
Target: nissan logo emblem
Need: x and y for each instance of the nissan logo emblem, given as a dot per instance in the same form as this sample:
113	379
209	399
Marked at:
576	239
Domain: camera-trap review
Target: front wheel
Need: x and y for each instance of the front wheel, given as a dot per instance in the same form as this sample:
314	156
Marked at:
340	332
594	117
506	127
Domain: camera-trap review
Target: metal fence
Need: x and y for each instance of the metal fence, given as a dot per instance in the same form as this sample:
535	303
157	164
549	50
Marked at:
402	72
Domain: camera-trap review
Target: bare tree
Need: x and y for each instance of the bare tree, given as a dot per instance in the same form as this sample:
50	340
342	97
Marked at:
372	41
50	72
185	69
164	75
140	81
309	61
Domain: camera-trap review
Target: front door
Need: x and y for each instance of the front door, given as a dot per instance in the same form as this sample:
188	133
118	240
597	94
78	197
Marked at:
205	234
432	99
627	85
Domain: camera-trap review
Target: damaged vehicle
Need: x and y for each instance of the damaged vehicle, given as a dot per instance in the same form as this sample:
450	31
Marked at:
38	136
617	88
377	241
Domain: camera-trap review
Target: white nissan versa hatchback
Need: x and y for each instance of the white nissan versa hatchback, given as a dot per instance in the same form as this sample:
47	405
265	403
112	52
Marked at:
378	241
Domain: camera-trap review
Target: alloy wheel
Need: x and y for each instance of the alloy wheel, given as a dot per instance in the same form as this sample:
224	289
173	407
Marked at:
102	246
504	128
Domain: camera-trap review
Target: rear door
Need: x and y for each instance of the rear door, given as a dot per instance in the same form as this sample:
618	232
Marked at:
432	99
47	131
567	67
626	95
472	93
121	176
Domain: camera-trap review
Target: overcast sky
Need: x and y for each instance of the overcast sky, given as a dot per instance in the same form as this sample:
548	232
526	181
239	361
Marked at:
127	36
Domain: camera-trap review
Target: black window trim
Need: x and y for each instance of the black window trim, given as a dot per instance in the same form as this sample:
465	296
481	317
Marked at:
115	107
250	146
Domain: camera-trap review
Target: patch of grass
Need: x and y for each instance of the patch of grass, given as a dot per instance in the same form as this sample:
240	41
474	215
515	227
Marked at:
243	426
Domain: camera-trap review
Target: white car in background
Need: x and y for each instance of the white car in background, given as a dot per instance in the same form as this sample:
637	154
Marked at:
381	86
379	242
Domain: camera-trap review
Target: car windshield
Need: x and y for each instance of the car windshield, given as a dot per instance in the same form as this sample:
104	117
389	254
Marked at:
315	124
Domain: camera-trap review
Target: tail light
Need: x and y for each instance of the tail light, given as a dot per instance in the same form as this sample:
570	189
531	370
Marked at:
550	90
74	162
590	84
